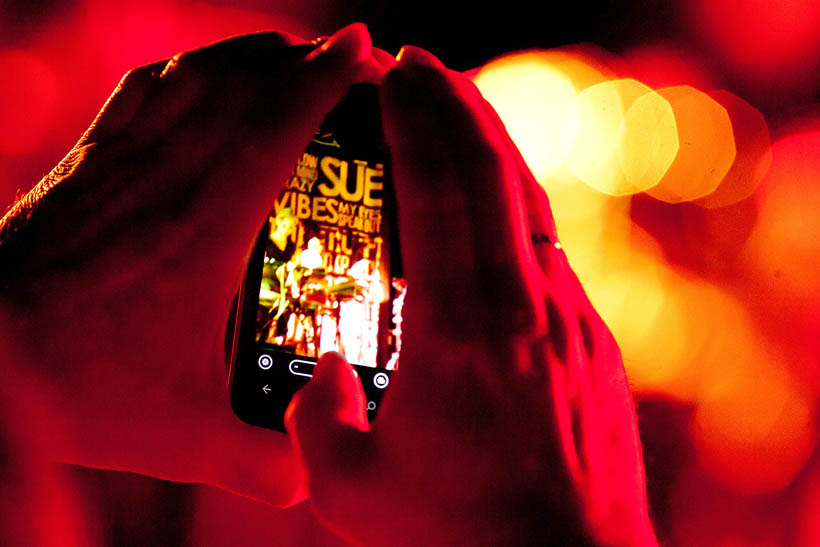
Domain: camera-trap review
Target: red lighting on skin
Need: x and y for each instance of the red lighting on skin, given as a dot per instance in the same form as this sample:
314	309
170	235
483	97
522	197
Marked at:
223	518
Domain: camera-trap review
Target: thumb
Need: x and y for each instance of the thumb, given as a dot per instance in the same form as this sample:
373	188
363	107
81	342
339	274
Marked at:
327	422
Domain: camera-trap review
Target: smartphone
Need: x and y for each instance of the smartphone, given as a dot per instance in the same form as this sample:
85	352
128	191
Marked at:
325	273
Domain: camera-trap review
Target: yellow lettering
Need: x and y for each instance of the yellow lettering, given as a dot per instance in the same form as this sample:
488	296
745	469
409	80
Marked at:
342	264
371	185
333	214
336	181
361	167
318	208
280	204
303	207
344	246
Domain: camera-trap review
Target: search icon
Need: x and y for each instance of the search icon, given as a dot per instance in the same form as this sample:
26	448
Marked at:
371	405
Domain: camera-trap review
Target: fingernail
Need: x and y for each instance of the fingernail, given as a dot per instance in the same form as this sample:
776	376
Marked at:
412	57
352	40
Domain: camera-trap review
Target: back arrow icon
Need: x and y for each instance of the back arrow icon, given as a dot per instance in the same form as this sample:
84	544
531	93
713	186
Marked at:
266	389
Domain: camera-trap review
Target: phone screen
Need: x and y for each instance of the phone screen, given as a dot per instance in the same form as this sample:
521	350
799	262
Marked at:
325	274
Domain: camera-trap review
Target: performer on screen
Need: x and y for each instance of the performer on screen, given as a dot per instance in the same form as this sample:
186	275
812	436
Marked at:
279	251
283	231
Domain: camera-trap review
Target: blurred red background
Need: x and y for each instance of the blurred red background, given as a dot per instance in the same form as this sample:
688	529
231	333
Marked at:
680	146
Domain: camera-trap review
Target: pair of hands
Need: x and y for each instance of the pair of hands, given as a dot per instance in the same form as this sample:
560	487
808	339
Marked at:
510	420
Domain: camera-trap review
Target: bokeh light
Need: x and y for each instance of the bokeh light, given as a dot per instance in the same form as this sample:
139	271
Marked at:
754	152
755	427
784	247
632	295
597	125
707	147
647	141
681	335
532	92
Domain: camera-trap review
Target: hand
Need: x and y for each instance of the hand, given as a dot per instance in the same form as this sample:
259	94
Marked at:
118	271
510	420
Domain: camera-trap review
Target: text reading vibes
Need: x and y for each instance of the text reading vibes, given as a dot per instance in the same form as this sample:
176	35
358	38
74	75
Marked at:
320	190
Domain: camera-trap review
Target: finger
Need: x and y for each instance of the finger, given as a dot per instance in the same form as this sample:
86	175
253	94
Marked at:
327	424
544	235
169	88
123	104
219	165
251	461
261	62
254	48
384	58
573	325
283	116
462	222
570	349
377	67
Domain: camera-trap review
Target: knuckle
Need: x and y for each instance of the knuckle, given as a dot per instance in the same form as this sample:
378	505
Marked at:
139	76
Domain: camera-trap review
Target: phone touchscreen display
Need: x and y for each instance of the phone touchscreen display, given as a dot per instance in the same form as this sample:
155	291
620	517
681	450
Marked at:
326	274
326	283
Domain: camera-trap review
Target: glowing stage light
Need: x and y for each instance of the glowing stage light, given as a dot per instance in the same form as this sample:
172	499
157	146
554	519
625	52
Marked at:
754	152
784	247
28	100
707	147
620	145
531	91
